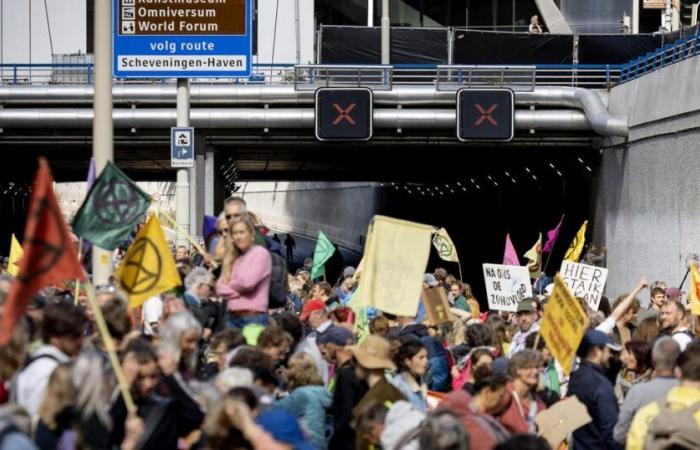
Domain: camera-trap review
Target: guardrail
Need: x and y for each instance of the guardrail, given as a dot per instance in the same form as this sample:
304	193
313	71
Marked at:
680	50
379	77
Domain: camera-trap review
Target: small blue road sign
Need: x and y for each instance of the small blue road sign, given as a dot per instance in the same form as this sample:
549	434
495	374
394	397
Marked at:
182	147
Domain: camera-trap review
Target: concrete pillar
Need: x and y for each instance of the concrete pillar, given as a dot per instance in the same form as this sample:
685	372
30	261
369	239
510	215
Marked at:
210	207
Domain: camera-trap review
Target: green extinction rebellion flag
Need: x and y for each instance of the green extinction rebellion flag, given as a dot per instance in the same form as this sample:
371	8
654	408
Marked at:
111	209
322	253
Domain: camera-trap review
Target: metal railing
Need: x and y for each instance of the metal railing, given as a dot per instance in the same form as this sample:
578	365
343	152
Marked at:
680	50
378	77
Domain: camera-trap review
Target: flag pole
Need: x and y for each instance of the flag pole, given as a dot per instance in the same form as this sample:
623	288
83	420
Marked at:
109	346
77	280
194	243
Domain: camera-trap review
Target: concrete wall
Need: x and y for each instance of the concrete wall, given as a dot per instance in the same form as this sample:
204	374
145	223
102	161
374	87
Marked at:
648	205
341	210
283	43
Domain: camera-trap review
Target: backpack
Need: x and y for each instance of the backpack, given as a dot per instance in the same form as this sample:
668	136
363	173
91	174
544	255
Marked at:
279	287
673	429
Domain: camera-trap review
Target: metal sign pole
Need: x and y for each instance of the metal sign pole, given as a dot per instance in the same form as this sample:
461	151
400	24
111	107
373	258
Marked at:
103	128
182	188
386	22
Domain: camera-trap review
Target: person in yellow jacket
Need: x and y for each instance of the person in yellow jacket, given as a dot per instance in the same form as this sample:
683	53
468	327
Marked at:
678	398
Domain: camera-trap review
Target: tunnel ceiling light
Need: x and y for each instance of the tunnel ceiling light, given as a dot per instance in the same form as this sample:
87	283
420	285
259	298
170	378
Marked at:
459	184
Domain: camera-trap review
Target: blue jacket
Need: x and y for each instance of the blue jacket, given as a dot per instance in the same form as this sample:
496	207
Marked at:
309	405
414	392
595	391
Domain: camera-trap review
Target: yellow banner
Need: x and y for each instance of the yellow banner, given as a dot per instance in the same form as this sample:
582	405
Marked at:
534	259
573	254
148	268
394	261
563	324
444	246
694	294
16	254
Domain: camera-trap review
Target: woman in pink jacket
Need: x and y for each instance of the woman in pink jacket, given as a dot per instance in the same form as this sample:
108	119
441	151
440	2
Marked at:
245	275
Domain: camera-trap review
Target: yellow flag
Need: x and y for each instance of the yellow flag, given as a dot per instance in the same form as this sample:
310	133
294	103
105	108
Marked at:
563	324
444	245
148	268
534	257
574	252
395	257
694	294
16	254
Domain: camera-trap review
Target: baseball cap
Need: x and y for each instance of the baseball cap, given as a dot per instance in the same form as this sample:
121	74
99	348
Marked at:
595	338
336	335
315	304
373	353
284	428
430	279
525	305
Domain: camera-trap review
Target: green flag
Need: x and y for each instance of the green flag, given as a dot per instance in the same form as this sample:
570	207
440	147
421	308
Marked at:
111	209
322	253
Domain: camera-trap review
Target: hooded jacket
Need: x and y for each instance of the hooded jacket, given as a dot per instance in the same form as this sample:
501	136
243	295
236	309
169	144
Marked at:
309	404
484	431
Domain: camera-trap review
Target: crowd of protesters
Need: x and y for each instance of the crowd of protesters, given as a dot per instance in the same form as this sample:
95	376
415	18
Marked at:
251	356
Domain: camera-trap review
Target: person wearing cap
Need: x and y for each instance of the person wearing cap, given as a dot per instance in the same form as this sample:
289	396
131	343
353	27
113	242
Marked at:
596	392
347	389
373	356
526	317
315	314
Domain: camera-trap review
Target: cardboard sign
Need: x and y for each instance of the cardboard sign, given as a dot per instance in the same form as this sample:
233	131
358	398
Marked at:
563	324
561	419
506	286
586	282
437	308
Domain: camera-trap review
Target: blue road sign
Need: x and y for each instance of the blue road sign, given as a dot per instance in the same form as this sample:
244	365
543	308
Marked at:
182	147
181	39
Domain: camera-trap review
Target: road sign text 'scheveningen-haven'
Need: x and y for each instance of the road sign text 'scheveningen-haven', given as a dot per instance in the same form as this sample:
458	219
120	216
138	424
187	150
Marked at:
182	38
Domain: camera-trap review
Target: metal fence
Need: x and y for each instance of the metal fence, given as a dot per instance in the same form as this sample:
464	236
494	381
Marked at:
680	50
379	77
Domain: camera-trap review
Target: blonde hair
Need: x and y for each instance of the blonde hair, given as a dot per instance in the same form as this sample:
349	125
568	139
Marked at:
232	253
13	355
458	334
302	371
59	394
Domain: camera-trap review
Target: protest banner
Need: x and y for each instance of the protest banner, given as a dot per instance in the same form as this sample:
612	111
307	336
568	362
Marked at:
396	253
563	324
586	282
561	419
506	286
437	307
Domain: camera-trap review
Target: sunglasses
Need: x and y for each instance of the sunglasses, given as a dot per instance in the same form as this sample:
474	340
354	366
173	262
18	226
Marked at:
231	216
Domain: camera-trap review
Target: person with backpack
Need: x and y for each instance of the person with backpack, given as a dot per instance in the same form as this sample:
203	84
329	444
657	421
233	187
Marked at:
245	276
674	420
62	334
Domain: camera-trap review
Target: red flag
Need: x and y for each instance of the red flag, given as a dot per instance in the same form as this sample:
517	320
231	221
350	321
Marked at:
49	254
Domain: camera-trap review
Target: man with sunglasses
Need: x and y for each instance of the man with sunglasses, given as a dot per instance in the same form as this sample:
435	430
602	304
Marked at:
234	207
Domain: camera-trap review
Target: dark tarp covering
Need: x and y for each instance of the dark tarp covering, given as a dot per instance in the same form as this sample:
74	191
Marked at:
362	45
615	49
481	47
